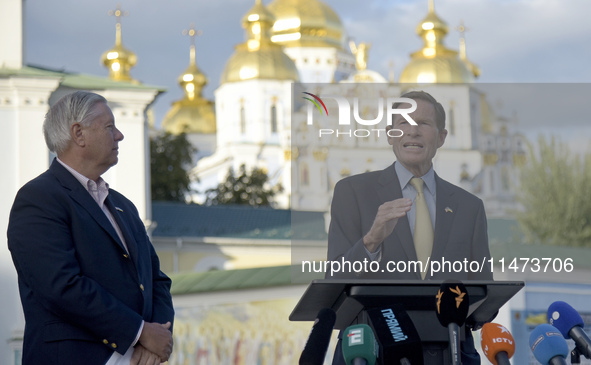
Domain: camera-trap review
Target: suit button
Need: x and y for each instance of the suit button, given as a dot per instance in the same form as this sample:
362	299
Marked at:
126	255
114	345
105	342
142	287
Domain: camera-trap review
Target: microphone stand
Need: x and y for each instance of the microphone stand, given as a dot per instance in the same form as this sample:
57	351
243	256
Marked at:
454	343
575	356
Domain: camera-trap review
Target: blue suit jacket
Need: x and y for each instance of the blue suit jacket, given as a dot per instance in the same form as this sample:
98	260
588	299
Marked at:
83	296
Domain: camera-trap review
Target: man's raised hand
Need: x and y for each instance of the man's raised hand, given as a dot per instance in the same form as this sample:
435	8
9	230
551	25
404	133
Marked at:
385	221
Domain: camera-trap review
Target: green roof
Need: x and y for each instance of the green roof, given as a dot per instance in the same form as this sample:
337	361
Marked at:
260	277
264	277
28	72
505	242
76	80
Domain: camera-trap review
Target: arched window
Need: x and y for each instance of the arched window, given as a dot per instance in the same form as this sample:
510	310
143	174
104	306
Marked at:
452	120
242	120
273	119
305	180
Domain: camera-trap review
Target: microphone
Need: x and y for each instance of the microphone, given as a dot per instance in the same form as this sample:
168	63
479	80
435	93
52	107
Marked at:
315	350
452	309
569	322
548	345
497	343
398	339
359	345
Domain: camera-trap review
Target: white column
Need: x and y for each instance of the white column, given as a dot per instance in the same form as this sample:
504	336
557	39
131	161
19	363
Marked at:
24	155
11	34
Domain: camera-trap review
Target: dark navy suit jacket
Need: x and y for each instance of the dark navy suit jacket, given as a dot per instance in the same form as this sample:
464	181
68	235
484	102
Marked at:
83	295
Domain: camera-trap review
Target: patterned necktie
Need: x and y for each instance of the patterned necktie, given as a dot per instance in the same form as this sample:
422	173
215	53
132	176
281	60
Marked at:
423	234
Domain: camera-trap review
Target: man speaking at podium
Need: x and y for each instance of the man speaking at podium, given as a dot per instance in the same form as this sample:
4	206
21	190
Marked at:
406	218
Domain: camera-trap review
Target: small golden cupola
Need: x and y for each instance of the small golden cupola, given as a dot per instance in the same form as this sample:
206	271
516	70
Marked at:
119	60
258	57
435	63
192	113
306	23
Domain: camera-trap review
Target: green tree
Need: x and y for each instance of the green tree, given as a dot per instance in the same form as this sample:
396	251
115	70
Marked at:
556	195
247	189
171	157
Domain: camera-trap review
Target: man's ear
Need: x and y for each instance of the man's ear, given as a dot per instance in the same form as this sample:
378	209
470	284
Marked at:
77	135
441	137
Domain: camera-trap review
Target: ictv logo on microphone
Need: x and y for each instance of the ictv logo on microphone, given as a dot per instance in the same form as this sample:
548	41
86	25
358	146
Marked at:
381	108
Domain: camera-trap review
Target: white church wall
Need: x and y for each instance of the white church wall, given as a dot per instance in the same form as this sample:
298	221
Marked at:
23	105
321	64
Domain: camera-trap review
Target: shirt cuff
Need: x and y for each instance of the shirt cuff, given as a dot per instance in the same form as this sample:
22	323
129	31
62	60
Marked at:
375	256
139	333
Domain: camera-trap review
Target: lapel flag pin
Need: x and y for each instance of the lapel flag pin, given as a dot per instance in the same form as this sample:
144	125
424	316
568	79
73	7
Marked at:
119	209
448	210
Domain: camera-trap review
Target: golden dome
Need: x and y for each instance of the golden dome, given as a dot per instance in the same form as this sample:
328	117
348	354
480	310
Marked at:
190	116
119	60
306	23
193	113
435	63
258	57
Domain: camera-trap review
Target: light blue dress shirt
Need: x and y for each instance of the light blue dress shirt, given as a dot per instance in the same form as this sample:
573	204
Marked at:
409	192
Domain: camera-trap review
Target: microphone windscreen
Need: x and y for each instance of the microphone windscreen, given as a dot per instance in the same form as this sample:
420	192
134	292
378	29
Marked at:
564	317
546	342
397	336
319	338
494	339
359	342
452	303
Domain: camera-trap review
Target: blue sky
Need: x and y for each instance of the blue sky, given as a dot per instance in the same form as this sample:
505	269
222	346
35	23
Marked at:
512	41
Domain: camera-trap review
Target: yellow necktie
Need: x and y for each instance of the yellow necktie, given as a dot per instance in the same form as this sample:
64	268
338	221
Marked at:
423	234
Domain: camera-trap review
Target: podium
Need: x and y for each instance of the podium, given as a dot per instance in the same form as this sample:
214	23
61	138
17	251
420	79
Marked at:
351	299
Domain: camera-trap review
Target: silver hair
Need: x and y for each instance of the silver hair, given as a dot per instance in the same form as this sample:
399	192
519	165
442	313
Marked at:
72	108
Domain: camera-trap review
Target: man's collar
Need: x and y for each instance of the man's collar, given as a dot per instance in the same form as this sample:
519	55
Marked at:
404	177
85	181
